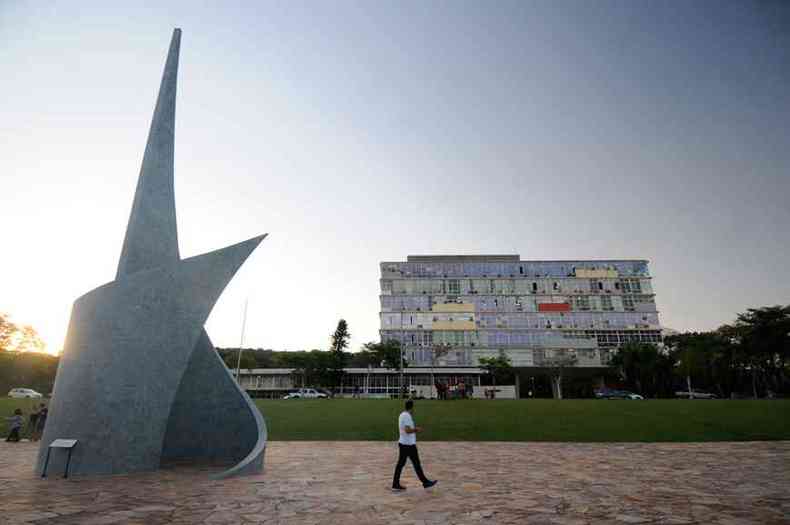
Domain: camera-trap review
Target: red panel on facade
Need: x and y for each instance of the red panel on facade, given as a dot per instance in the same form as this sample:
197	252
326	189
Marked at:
554	307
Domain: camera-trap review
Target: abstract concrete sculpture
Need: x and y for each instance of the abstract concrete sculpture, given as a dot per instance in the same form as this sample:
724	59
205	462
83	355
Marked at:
139	382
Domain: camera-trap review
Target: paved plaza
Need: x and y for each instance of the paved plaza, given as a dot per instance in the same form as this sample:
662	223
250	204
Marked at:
348	483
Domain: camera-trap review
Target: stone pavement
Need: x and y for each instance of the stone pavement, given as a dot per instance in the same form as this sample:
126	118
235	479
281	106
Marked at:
348	483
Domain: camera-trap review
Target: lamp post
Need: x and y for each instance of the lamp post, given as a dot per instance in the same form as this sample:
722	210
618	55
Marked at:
400	368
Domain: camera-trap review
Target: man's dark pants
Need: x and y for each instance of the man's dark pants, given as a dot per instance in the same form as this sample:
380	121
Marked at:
408	452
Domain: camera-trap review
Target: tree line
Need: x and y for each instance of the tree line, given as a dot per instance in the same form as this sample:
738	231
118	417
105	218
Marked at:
23	362
15	337
747	358
321	368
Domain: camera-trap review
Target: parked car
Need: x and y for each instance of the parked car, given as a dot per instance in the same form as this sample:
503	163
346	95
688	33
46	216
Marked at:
695	394
24	393
326	392
606	393
305	393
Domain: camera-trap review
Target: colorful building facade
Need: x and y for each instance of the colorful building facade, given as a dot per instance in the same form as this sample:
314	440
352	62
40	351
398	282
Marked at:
452	310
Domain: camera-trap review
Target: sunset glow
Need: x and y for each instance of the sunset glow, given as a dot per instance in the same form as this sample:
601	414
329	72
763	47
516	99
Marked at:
352	148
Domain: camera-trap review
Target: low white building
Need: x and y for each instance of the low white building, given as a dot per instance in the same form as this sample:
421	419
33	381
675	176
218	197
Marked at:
372	382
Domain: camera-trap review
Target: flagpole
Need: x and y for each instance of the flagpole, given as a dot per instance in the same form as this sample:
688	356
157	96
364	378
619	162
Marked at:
241	343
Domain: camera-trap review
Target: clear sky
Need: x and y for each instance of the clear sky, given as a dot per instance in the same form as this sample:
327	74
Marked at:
357	132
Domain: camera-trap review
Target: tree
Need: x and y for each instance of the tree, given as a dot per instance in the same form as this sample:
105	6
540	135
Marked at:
645	368
16	338
230	355
703	358
7	331
556	366
497	367
302	367
688	350
309	368
731	335
765	341
34	370
390	355
363	359
437	352
338	361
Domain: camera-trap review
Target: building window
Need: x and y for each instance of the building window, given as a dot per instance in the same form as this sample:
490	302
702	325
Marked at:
581	303
556	286
453	286
628	303
631	286
534	287
606	303
643	299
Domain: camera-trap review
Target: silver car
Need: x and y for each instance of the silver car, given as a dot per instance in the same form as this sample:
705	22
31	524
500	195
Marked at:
305	393
24	393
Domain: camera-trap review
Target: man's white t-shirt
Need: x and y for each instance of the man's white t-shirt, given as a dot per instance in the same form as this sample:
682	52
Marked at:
405	420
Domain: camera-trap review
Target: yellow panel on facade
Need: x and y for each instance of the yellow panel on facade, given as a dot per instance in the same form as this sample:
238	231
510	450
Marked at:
453	325
454	307
587	273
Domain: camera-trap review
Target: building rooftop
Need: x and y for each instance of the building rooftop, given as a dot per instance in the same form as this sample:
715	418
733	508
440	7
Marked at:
438	370
462	258
503	258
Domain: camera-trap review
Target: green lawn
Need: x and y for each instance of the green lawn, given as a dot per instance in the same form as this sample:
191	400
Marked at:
525	420
531	420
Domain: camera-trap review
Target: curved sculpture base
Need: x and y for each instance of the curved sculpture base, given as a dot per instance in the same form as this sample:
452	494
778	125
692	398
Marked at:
212	418
139	380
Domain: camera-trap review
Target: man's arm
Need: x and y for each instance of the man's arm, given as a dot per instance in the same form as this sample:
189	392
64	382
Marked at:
412	430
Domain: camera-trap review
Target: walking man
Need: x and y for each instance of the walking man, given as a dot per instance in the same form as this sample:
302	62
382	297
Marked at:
407	446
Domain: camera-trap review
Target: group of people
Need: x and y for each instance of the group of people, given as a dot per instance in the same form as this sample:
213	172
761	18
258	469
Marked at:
453	391
37	420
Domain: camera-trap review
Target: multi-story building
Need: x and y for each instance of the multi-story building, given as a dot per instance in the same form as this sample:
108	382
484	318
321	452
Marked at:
472	306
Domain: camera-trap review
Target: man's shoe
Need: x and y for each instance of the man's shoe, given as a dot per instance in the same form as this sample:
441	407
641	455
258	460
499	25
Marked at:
430	483
398	488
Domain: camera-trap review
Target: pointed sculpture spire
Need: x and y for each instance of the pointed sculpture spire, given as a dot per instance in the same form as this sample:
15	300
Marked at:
152	236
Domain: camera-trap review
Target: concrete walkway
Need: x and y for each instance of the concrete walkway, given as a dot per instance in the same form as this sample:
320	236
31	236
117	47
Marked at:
348	483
